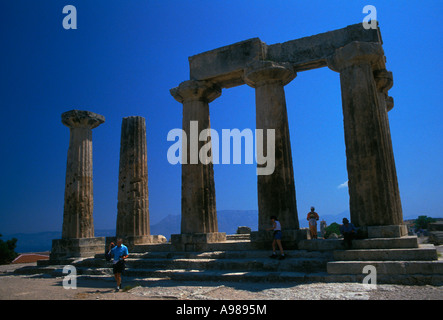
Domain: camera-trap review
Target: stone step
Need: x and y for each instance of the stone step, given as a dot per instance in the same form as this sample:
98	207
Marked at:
267	264
415	254
305	264
243	236
393	272
374	243
386	243
387	267
320	244
152	275
228	245
242	254
426	273
436	237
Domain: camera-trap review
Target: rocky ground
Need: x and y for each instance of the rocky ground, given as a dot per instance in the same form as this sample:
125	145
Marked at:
36	287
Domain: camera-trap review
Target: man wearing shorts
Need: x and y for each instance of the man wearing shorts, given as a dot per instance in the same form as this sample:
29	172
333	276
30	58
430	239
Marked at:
276	226
119	253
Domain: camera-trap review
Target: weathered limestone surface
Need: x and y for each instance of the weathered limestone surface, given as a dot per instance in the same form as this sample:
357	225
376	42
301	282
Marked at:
224	66
384	81
78	207
133	195
198	190
276	191
78	227
76	248
373	189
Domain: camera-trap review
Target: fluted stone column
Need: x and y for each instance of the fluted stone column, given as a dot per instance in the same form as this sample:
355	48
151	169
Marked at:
198	209
384	81
373	194
276	191
77	215
133	196
78	226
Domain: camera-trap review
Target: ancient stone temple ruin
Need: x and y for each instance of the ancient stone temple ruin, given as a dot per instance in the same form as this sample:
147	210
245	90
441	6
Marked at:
357	54
200	251
354	52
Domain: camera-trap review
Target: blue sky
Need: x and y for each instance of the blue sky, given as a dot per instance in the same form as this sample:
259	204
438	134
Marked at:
126	55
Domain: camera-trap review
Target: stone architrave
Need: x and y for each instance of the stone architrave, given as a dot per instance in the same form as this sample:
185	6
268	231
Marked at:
276	191
372	193
133	197
78	207
198	209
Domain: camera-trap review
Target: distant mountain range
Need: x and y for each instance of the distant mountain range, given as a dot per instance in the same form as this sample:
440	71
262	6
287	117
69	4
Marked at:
228	221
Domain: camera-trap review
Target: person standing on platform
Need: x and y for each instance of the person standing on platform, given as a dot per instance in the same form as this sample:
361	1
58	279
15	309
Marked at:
313	218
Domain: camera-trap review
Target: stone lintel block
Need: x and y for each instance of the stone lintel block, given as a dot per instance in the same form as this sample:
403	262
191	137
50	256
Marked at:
82	119
312	52
76	247
392	231
225	65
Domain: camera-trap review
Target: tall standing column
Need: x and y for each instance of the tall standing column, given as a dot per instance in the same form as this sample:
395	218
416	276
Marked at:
77	215
276	191
133	196
78	226
384	81
368	148
198	208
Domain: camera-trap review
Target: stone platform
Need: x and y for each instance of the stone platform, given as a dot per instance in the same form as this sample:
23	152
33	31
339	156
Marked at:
76	248
397	261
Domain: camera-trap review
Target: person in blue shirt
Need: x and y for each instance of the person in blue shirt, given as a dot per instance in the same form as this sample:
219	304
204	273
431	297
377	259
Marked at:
119	254
348	231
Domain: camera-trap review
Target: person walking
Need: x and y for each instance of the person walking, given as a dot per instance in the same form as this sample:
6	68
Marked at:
276	227
312	218
119	253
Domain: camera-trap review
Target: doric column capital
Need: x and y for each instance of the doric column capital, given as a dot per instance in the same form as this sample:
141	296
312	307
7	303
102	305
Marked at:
389	103
193	90
384	80
82	119
356	53
262	72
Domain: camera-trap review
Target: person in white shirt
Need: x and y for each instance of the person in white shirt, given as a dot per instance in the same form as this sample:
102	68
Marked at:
276	226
